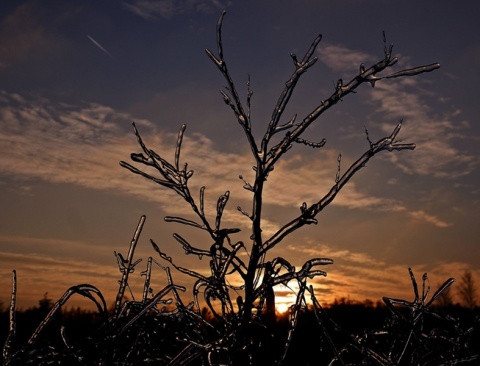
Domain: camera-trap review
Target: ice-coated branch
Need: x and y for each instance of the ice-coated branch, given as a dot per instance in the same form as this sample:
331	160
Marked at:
128	266
85	290
12	320
365	75
305	272
315	145
176	178
446	285
412	319
320	315
173	177
189	249
146	285
308	214
221	203
231	97
178	268
300	68
152	302
181	220
407	72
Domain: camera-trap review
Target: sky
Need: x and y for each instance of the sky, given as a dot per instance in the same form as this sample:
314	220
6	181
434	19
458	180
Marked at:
75	75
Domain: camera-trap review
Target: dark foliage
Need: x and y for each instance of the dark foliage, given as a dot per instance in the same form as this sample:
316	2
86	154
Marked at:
358	330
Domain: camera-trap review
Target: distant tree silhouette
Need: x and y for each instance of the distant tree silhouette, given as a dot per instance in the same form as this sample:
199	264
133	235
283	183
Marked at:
467	291
45	303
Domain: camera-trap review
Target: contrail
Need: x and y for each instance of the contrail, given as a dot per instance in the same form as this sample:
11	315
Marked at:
99	46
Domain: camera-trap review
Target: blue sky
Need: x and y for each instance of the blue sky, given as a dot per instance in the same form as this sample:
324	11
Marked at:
74	75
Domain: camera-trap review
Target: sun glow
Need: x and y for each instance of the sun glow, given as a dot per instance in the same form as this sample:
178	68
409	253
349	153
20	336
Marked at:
282	308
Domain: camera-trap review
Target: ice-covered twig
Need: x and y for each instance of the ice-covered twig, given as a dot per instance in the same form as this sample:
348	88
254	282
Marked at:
341	90
158	297
300	68
173	177
129	265
169	259
7	348
307	215
232	98
176	178
85	290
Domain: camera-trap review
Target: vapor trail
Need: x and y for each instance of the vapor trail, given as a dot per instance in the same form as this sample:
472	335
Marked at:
99	46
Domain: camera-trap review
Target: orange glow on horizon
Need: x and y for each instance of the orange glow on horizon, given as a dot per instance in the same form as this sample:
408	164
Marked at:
282	308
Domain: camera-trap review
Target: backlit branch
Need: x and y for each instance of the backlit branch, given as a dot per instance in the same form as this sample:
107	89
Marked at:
365	75
176	178
231	97
300	68
307	215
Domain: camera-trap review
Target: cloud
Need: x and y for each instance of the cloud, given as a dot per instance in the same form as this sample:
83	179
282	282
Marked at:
340	58
37	275
298	179
167	9
58	248
359	276
354	275
437	135
423	216
82	145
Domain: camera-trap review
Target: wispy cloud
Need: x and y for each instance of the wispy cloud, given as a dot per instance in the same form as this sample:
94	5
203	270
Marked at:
167	9
438	135
83	145
298	179
58	248
423	216
340	58
40	274
373	277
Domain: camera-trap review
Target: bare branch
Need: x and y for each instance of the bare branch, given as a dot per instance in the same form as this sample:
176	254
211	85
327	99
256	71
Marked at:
300	68
308	215
12	330
189	249
315	145
233	100
181	220
179	146
341	90
180	269
128	267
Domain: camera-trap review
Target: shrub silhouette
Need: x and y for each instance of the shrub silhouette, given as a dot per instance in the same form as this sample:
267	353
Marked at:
243	328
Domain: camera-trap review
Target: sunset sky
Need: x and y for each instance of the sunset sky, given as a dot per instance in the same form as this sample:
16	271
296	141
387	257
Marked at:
75	74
